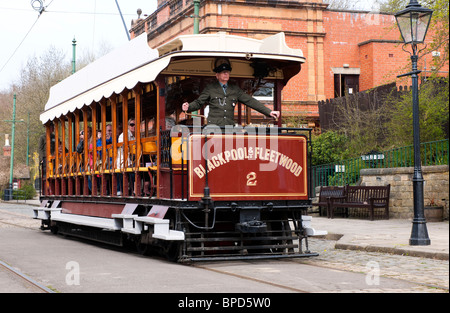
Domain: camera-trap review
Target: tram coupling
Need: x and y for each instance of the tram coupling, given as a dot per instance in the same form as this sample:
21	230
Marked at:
250	221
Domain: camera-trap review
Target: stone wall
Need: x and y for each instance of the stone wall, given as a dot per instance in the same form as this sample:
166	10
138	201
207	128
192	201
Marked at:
436	187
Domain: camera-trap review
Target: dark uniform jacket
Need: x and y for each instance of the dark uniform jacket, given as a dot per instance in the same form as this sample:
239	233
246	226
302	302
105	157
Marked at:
42	145
221	105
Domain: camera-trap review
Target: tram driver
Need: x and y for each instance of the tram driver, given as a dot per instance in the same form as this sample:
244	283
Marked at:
222	97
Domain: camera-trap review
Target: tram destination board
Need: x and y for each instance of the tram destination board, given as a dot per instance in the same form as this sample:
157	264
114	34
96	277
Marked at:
247	166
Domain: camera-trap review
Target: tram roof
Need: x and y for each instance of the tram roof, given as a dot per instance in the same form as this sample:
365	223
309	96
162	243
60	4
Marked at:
135	62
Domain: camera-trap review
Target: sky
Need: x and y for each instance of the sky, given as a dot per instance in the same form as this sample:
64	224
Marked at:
93	23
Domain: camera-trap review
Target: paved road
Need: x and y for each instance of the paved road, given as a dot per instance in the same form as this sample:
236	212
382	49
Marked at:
430	272
71	265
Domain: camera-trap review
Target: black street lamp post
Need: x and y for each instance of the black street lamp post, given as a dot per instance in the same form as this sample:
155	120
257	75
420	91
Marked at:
413	23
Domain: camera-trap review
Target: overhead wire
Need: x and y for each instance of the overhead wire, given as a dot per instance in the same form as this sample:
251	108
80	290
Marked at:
17	48
43	9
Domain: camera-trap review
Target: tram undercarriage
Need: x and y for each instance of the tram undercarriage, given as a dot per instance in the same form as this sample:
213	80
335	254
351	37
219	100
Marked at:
227	232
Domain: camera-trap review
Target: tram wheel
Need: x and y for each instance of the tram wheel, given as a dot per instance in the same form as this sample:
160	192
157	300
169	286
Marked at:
172	251
54	229
141	248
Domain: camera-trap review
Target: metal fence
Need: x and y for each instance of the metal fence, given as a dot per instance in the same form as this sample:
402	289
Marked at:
348	171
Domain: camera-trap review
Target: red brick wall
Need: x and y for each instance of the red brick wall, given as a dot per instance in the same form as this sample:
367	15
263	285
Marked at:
344	32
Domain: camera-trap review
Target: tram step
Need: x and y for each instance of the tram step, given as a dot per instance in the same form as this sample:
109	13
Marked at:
44	213
214	239
234	257
161	228
134	224
98	222
236	248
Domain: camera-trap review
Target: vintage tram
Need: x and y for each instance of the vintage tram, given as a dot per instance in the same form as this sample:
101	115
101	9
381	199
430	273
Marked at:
176	184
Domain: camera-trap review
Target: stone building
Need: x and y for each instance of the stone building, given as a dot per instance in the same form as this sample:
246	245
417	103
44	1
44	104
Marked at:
346	51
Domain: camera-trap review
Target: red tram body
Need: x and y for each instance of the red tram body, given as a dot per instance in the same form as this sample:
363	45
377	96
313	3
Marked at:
193	192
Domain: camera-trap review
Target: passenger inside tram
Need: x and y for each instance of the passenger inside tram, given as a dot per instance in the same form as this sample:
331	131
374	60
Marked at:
130	158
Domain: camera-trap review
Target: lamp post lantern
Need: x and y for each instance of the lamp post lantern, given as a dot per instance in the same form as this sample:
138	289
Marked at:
413	23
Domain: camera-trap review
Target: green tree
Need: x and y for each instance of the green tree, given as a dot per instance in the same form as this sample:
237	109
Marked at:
433	110
329	147
32	90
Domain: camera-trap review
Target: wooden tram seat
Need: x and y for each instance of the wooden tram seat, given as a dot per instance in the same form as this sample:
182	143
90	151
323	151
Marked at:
149	145
176	148
370	197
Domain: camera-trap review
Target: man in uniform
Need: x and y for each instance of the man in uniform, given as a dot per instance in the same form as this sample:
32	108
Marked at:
223	97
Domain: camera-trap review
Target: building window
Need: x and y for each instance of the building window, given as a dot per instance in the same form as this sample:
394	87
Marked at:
175	6
153	22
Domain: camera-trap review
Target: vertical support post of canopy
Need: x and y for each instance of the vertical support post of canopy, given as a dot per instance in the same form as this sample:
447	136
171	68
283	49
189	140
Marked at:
277	100
137	109
94	149
160	118
125	141
86	152
104	154
70	149
113	100
77	157
63	172
47	159
56	158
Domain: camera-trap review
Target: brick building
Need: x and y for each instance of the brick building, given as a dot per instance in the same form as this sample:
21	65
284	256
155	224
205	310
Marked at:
346	51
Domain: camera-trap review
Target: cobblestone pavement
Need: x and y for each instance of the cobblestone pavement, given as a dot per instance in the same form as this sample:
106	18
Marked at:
431	274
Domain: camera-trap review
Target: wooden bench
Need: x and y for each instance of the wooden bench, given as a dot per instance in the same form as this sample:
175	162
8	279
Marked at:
370	197
324	195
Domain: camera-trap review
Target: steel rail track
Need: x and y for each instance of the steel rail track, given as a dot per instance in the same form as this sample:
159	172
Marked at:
24	278
262	281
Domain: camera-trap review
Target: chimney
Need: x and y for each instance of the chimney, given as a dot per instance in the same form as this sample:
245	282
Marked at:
7	146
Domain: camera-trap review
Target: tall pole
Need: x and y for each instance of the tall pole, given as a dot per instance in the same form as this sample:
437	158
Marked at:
28	139
196	16
123	21
419	233
11	167
196	23
74	44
